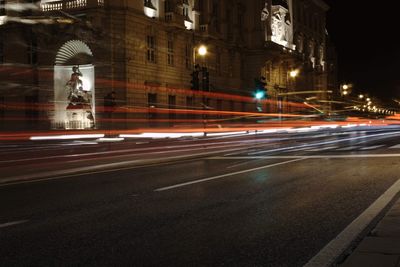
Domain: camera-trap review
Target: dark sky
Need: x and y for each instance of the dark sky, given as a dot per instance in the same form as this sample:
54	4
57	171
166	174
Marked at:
366	38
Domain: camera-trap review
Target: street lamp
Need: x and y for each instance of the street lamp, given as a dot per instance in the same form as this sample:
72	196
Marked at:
202	50
346	89
361	96
294	73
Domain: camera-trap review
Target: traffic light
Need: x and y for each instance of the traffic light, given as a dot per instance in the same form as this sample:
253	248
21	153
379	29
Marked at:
195	80
261	90
206	79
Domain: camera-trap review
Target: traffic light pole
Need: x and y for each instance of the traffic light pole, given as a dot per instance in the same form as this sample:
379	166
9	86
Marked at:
205	87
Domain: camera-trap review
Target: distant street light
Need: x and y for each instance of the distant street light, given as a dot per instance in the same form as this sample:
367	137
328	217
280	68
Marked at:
345	89
361	96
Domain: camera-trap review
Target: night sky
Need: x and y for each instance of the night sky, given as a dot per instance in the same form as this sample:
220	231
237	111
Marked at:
365	35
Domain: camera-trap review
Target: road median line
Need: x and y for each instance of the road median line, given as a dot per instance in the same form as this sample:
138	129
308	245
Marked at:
225	175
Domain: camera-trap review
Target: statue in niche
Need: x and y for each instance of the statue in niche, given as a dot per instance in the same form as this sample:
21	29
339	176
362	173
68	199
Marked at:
322	56
300	44
76	93
79	109
280	25
311	53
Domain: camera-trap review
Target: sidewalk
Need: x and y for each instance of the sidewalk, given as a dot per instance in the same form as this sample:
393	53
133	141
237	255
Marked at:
381	247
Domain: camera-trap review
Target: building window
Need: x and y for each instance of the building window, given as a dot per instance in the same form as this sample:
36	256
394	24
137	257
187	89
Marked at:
171	107
231	105
218	62
170	51
243	104
152	104
188	56
219	107
151	49
167	6
171	102
149	4
189	106
229	24
185	9
2	7
216	16
152	100
1	48
32	50
189	102
31	111
2	107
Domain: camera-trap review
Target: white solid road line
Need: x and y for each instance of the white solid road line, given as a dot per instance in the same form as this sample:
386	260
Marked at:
395	147
334	249
4	225
309	157
225	175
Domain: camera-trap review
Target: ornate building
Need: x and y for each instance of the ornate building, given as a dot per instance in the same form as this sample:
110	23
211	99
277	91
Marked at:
61	58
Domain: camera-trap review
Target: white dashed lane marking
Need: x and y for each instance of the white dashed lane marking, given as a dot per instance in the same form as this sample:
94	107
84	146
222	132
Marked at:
372	147
4	225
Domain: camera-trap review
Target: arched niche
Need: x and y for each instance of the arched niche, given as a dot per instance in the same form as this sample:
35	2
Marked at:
74	87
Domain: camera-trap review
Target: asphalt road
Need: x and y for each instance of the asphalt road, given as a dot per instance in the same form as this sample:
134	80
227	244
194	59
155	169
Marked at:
275	202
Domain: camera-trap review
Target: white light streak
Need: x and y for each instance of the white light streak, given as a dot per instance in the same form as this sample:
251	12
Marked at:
66	137
161	135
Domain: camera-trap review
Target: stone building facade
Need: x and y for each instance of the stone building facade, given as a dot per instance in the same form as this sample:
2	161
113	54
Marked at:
146	50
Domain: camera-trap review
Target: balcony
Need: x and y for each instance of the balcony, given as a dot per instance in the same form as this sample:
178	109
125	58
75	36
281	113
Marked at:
70	5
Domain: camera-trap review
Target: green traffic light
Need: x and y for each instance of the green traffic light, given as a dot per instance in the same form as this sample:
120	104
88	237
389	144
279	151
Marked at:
259	95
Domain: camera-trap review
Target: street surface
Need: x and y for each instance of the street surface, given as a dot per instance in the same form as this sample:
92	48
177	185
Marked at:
260	200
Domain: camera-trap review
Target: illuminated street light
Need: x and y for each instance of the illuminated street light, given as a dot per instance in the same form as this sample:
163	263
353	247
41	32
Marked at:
293	73
361	96
368	99
202	50
346	89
